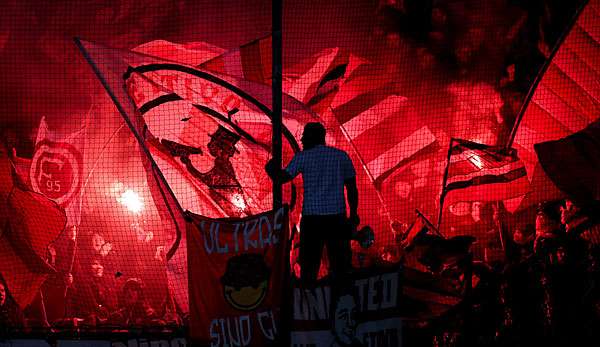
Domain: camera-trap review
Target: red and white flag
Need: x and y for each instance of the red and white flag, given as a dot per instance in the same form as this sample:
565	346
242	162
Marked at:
478	172
251	61
203	137
58	169
319	76
385	130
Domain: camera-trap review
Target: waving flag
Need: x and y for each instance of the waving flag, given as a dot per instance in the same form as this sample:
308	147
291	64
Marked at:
385	130
58	169
478	172
30	222
317	77
420	226
251	61
573	163
204	137
566	99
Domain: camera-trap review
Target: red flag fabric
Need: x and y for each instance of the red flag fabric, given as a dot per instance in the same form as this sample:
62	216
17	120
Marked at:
251	61
318	76
385	130
573	163
237	278
566	100
479	172
30	222
203	137
420	226
57	168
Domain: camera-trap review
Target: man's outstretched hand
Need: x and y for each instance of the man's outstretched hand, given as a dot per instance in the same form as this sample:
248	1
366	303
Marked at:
276	173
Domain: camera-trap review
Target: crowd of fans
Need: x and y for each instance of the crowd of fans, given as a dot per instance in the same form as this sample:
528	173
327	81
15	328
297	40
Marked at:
543	290
550	287
86	293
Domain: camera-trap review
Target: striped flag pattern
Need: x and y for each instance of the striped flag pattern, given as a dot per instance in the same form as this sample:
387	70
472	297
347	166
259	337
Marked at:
384	129
251	61
483	173
319	76
566	100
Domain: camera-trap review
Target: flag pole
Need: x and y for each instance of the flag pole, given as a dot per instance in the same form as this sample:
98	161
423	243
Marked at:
156	173
443	195
277	96
284	337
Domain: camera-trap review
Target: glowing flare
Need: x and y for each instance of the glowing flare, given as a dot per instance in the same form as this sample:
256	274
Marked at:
238	201
132	201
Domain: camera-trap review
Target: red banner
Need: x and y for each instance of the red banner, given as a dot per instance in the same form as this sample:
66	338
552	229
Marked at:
236	277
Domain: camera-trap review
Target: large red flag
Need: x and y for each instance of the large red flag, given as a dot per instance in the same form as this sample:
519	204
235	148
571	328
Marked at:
30	222
204	136
566	100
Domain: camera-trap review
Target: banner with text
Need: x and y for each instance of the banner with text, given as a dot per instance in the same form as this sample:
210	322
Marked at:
236	273
364	311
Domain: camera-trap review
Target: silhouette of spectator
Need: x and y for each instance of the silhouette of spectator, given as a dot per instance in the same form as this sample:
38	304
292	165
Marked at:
94	297
325	172
134	311
11	316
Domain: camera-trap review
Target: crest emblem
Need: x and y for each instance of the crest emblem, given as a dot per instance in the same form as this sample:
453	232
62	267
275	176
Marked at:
56	171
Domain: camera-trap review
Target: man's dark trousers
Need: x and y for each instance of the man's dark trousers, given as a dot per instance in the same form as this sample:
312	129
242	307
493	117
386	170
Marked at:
332	231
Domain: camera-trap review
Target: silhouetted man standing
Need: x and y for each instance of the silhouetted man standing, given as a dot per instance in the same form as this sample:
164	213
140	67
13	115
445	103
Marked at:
325	171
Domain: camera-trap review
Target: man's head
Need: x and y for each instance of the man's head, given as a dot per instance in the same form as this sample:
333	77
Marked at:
132	292
547	219
568	211
97	242
313	135
97	268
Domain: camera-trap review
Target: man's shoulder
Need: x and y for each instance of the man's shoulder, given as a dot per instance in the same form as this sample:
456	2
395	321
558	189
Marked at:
335	151
328	152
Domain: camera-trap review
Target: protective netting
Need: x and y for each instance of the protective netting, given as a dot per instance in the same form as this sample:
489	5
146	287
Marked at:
161	107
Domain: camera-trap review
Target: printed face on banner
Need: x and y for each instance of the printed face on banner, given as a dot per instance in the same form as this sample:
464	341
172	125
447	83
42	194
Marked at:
344	326
246	281
362	312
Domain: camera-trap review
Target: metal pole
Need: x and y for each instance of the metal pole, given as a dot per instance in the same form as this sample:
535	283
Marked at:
443	195
284	338
277	96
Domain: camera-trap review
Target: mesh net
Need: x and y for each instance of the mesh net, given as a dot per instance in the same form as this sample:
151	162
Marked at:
165	106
